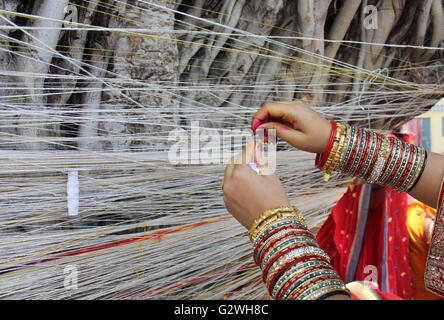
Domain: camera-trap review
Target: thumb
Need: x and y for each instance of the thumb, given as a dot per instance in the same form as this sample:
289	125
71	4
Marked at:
292	136
247	155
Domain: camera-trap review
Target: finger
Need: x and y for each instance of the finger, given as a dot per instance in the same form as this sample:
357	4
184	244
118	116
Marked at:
292	136
265	171
259	155
247	155
278	111
261	163
229	169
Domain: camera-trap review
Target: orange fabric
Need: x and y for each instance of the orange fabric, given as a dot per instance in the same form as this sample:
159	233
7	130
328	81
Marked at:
419	248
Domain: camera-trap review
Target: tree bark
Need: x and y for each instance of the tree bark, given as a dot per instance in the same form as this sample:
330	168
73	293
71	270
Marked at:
37	61
285	58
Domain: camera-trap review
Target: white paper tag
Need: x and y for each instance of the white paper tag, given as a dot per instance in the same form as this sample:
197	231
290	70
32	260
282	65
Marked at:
253	166
72	191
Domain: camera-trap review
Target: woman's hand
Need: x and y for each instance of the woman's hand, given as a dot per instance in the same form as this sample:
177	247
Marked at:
296	123
248	194
428	226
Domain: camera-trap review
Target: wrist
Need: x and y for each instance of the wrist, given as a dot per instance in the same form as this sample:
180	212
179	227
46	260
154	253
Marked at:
293	266
326	136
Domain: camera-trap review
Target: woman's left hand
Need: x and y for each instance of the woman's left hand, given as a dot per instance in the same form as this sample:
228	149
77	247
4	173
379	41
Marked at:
248	194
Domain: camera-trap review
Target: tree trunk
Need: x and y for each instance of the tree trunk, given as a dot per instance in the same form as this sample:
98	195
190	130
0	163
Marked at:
290	64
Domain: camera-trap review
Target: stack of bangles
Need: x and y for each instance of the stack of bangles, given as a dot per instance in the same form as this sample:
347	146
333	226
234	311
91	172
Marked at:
293	265
373	157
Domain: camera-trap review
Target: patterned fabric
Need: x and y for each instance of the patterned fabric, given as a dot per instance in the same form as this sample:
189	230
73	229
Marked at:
434	275
417	213
366	238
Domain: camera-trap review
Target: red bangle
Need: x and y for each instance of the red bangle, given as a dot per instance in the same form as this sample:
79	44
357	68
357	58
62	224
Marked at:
293	233
364	153
293	280
391	155
354	152
309	283
321	158
277	256
397	164
375	155
281	271
287	267
265	238
407	168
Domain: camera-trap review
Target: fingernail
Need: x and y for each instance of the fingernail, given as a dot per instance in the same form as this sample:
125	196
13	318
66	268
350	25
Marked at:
261	126
256	123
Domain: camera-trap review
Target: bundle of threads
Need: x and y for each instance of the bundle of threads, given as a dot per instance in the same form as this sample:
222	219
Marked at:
292	264
376	158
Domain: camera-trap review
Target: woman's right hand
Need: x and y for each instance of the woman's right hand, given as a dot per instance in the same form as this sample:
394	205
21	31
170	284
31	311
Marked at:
296	123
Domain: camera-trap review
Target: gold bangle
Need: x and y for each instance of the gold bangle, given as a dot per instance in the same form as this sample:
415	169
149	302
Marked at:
335	157
269	213
274	218
338	154
275	222
263	220
330	161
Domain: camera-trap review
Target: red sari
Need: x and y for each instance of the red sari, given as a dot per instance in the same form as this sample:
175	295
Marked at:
367	239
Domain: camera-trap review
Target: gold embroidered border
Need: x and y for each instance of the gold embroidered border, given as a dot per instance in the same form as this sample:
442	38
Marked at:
434	273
